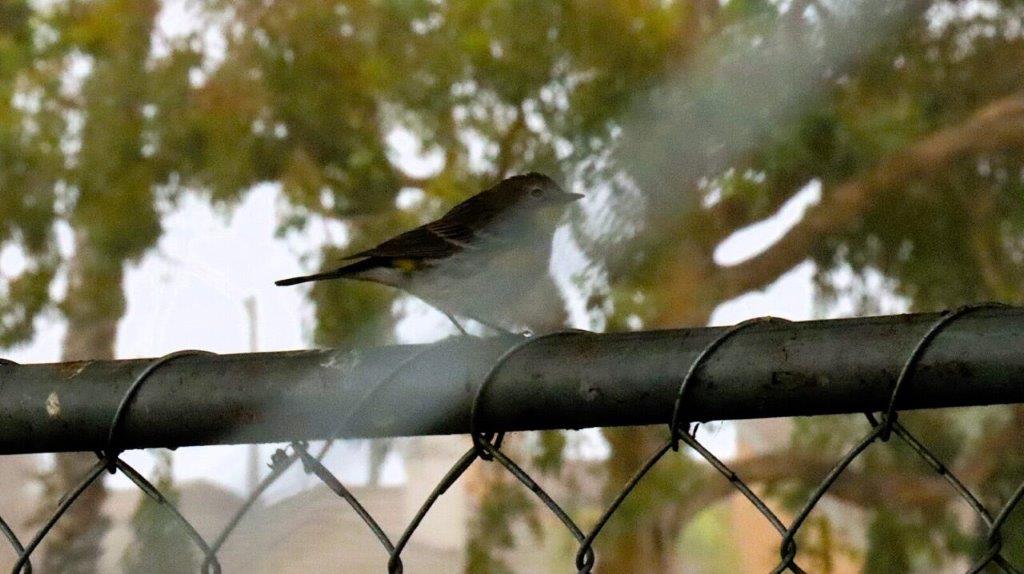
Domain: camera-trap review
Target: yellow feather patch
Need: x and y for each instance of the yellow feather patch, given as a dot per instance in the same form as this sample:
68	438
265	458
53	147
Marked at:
406	265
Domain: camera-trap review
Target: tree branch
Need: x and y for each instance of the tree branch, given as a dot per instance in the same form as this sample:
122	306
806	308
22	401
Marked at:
735	212
862	489
408	180
506	153
998	126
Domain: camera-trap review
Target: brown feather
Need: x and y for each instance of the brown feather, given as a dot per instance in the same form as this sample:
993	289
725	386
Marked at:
441	238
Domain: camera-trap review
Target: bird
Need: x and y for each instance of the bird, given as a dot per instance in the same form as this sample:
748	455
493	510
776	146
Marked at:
486	259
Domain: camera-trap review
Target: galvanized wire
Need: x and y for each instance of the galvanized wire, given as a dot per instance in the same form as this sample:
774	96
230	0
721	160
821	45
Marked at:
109	460
487	446
112	449
678	432
280	463
9	534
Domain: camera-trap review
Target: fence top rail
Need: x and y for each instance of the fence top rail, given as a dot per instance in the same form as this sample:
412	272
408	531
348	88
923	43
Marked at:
563	381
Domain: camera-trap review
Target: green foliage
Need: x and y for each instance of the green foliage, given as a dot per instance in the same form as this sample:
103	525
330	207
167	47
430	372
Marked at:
678	477
707	541
352	312
550	451
24	298
490	528
887	544
743	102
921	535
1013	546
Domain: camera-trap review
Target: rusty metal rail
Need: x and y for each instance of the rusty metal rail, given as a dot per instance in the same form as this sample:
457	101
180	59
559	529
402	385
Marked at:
759	368
567	380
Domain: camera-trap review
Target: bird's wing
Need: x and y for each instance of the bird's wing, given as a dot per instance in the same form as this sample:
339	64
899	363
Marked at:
446	236
471	219
419	243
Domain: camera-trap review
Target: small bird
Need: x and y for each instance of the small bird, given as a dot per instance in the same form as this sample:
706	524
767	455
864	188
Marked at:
485	259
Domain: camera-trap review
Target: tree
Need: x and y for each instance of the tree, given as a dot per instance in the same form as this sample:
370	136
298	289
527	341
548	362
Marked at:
688	121
906	140
868	103
75	160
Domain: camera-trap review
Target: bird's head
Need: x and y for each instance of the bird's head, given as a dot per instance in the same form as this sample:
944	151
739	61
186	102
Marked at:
536	191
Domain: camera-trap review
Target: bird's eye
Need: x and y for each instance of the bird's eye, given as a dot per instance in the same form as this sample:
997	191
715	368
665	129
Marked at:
536	192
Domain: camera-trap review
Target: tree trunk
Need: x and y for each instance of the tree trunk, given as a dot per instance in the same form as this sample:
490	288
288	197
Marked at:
644	538
93	305
687	296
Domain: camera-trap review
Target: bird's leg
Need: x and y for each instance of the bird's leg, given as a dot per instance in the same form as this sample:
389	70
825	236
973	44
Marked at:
462	330
500	330
454	322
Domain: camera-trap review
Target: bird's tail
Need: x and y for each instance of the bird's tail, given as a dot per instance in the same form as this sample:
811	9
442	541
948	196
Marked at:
346	271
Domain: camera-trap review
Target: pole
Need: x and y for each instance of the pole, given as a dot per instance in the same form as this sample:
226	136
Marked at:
572	380
252	455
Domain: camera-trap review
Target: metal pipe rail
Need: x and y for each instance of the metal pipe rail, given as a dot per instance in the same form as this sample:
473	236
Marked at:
566	381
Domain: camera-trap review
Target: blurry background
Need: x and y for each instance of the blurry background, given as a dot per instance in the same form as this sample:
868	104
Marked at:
161	162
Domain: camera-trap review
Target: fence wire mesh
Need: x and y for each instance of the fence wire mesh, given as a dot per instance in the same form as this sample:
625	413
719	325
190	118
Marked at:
486	447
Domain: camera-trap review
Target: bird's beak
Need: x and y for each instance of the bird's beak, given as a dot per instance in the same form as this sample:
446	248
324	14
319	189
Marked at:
565	197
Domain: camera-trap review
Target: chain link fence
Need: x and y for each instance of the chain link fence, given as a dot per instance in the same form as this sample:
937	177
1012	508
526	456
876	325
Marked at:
487	449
